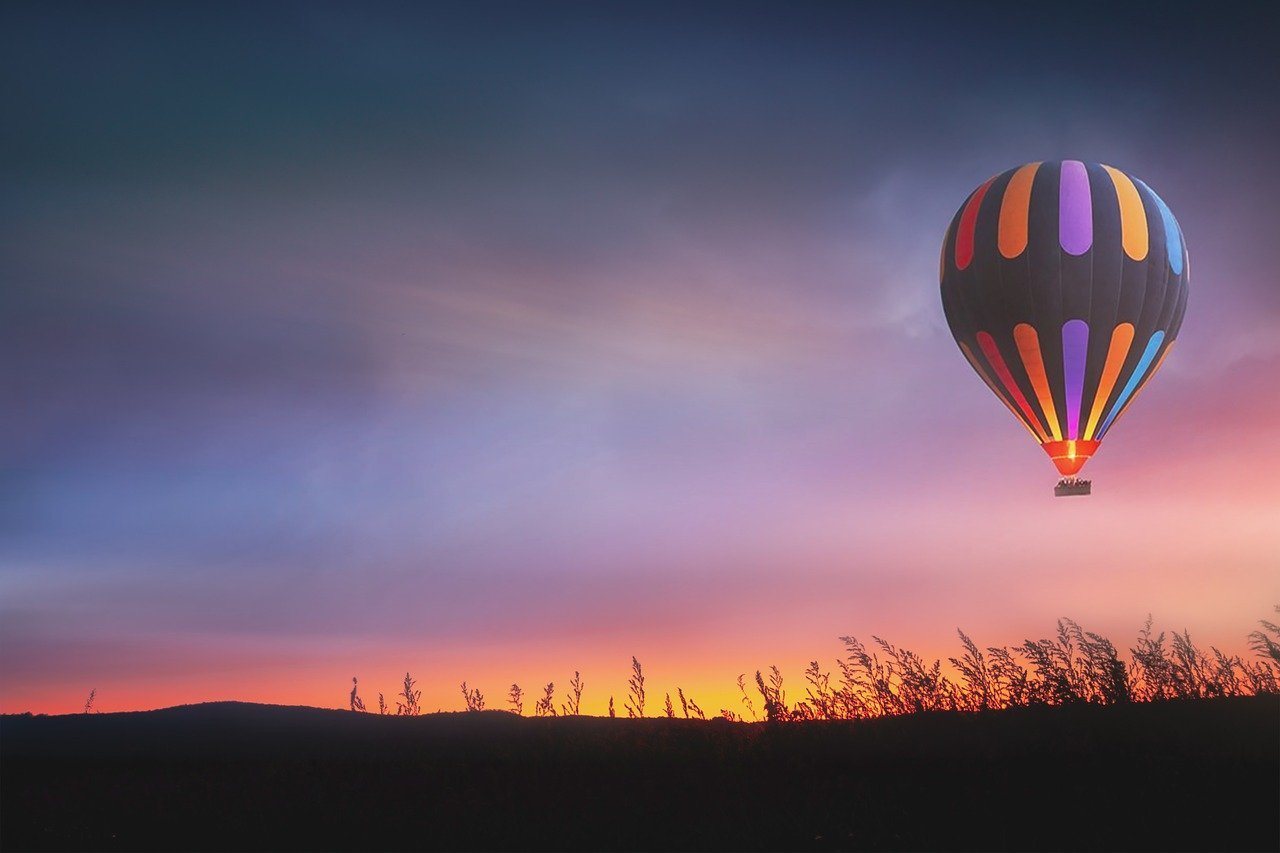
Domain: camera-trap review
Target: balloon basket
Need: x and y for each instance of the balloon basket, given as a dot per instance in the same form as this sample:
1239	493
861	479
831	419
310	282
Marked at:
1069	486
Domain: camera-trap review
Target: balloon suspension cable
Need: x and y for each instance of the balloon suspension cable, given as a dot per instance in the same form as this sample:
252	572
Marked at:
1069	486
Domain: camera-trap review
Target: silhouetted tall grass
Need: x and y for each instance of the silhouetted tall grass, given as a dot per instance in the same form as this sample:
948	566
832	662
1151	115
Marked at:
409	707
546	705
1263	644
573	704
473	698
1073	666
687	706
635	703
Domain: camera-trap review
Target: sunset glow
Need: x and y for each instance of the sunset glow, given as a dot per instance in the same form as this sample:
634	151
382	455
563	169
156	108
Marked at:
494	344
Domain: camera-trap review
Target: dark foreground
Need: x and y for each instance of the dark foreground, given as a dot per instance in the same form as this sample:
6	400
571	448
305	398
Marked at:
1199	775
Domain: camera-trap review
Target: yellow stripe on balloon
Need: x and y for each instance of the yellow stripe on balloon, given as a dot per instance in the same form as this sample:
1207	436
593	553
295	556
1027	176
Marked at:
1028	343
992	385
1015	210
1121	340
1133	219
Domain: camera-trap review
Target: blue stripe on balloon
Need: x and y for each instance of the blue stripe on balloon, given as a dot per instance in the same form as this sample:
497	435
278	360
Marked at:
1148	355
1172	234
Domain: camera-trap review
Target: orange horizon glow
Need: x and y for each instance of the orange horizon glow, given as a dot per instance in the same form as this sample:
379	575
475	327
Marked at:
324	686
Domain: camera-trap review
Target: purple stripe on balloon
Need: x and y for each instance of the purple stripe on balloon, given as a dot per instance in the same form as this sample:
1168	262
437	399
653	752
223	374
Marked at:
1075	209
1075	346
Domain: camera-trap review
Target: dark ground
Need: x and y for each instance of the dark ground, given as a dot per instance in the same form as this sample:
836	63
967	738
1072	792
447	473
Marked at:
1187	775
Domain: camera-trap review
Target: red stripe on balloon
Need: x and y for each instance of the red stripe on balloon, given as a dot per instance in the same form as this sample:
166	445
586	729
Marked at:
992	352
968	219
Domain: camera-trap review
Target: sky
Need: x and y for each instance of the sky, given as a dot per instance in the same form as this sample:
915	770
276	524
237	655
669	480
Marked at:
495	342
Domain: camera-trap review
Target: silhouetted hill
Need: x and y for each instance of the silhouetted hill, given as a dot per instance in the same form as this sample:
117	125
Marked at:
1185	775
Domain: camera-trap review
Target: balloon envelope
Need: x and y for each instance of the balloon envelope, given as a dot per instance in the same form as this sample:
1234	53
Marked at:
1064	284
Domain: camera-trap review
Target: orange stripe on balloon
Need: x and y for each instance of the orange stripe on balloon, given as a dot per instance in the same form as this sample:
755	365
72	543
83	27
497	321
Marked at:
1028	343
968	221
1133	218
992	352
981	371
1015	210
1121	340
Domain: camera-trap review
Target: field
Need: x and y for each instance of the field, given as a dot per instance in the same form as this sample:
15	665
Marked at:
1200	774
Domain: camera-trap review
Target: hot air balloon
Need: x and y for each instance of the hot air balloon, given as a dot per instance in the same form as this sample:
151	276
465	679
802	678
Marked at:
1064	284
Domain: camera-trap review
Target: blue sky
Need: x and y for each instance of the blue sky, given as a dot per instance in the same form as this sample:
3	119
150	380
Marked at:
616	316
